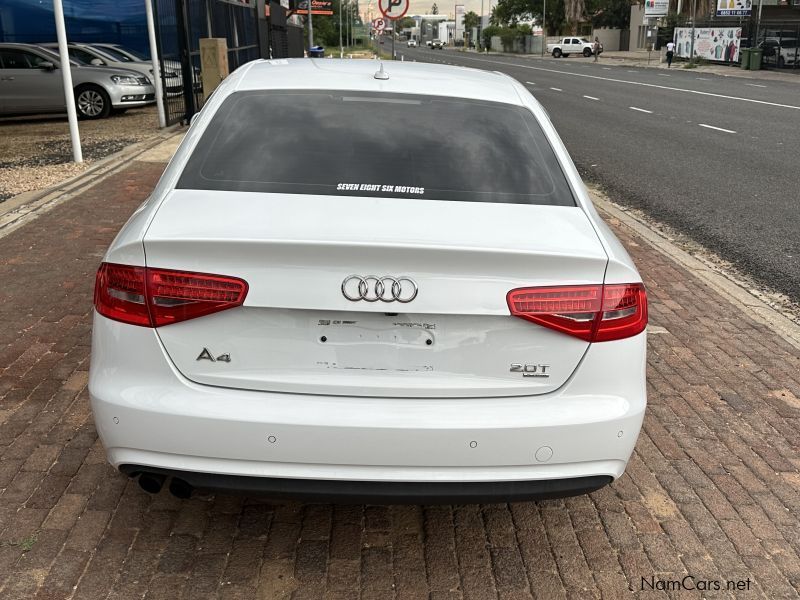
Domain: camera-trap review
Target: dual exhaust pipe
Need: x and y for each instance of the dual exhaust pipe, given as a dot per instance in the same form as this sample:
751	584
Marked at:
153	482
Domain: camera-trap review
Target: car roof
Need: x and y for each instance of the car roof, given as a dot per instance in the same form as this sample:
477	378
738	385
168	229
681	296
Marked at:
405	77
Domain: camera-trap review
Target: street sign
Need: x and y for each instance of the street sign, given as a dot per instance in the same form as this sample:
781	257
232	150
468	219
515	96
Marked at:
379	25
393	9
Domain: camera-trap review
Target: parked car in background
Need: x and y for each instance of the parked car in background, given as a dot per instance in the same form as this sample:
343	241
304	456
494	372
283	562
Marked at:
780	52
30	83
437	45
572	45
412	43
99	57
126	54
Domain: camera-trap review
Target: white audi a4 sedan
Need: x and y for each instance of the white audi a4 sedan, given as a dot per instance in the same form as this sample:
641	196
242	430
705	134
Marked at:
369	284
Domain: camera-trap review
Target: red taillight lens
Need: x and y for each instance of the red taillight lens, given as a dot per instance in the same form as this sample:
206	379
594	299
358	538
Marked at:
595	313
156	297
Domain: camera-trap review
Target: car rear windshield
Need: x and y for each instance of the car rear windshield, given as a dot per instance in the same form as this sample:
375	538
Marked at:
376	144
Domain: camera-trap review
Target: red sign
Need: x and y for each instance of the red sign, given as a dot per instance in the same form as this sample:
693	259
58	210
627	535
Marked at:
393	9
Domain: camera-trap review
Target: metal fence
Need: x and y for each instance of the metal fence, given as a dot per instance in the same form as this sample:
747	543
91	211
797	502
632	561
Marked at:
179	26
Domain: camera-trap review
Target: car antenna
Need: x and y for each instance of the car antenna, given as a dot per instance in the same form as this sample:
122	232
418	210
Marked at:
381	74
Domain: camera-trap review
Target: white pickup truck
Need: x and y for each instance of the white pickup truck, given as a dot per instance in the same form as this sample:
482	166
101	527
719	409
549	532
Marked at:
572	45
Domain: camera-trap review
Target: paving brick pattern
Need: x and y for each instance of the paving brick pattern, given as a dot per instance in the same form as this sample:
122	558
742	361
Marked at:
712	491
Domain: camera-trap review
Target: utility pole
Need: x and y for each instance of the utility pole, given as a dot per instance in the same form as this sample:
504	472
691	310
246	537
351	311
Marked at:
341	46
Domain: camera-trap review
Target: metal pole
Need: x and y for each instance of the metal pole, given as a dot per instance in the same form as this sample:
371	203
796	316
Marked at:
691	44
310	30
394	35
341	46
151	38
544	27
479	45
66	76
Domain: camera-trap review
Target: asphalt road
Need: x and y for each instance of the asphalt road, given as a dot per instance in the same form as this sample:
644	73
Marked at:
714	157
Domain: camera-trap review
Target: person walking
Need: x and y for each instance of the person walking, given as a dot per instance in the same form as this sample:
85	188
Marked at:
670	53
596	48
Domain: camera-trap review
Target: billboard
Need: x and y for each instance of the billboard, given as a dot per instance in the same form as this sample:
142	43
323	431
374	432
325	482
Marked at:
734	8
318	7
657	8
719	44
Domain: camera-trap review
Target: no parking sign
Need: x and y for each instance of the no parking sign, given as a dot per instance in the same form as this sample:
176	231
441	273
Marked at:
393	9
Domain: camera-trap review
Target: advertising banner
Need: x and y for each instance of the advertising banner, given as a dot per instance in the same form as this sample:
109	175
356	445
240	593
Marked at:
734	8
318	7
719	44
656	8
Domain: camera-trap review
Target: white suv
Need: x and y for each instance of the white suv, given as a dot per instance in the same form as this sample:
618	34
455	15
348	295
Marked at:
572	45
379	327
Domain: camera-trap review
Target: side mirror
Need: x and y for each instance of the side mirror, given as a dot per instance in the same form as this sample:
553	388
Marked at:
96	62
47	65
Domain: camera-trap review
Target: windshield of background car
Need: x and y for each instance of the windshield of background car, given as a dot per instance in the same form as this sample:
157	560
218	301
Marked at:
377	144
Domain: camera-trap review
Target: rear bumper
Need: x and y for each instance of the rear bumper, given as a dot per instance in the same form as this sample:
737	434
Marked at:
383	492
150	418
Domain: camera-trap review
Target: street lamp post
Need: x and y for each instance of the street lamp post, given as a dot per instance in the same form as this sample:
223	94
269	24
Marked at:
341	46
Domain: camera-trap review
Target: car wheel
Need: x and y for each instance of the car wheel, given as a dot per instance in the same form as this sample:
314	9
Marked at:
557	53
587	52
92	102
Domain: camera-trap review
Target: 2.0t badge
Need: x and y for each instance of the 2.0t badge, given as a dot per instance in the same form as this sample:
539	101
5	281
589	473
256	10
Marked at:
530	370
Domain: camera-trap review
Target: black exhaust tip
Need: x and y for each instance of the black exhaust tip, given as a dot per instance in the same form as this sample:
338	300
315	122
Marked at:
180	489
151	482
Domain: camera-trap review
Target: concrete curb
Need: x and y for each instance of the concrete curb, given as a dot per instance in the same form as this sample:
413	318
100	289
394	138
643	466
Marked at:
23	208
723	283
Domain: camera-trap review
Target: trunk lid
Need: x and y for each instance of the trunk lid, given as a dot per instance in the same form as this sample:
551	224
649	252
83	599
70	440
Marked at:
298	333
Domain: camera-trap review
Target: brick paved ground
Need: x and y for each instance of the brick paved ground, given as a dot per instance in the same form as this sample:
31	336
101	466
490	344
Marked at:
713	489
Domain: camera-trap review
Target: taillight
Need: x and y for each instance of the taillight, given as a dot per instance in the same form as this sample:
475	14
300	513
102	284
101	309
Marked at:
156	297
595	313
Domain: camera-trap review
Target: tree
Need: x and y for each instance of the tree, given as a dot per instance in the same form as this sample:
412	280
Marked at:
471	19
434	9
574	11
610	13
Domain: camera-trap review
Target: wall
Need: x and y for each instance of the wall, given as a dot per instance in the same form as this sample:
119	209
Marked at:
638	39
608	37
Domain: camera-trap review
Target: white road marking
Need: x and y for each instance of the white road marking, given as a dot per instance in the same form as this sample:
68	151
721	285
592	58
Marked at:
755	85
557	89
606	68
530	83
717	128
591	98
652	85
649	112
702	78
665	75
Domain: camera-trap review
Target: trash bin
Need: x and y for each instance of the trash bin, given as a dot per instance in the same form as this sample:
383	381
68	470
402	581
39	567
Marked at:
744	58
755	58
316	52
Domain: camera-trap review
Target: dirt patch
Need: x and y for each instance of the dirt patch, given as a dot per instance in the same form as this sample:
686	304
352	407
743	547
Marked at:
36	153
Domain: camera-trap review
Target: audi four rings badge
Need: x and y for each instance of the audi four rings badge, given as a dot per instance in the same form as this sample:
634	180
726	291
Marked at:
372	288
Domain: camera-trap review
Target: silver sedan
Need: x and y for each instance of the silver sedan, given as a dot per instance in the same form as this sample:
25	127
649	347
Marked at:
30	83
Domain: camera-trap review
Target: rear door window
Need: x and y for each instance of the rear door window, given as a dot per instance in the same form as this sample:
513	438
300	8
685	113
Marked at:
377	144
